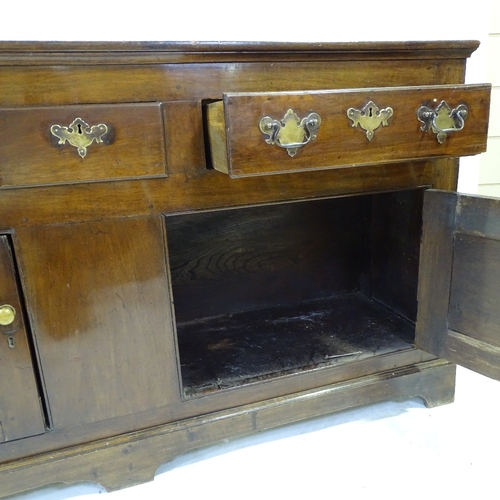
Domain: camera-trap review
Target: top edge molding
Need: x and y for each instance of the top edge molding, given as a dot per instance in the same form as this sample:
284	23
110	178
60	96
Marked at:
36	53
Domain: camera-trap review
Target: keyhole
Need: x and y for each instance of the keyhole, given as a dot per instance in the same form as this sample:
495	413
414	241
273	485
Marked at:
11	342
370	112
79	127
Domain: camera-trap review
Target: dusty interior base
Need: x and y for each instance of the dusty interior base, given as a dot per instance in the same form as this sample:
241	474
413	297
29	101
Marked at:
231	350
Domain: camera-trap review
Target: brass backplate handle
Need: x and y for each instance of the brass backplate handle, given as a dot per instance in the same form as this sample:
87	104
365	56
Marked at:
370	118
79	134
442	120
291	132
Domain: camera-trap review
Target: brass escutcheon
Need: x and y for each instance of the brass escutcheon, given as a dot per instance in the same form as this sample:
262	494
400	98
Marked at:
79	134
442	120
291	132
370	118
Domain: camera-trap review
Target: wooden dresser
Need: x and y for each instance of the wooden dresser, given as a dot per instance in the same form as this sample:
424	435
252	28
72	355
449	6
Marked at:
199	241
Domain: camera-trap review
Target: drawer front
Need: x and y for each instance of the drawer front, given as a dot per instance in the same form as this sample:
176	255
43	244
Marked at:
269	133
81	144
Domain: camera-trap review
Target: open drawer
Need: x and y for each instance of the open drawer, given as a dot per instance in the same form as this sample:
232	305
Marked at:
277	132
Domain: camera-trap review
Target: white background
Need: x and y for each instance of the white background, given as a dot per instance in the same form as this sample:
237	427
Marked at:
390	450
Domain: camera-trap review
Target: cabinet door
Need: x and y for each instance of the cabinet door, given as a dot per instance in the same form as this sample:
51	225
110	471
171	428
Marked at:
459	285
99	302
20	411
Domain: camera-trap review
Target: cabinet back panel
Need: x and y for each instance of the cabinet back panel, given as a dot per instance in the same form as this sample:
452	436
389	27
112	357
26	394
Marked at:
396	232
233	261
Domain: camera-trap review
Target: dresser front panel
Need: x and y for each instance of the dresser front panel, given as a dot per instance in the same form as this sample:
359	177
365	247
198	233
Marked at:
101	263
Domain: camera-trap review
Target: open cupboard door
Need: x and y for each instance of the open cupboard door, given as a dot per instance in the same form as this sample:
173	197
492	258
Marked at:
459	286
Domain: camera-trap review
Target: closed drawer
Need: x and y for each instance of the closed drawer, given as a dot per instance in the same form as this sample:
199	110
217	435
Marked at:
52	145
270	133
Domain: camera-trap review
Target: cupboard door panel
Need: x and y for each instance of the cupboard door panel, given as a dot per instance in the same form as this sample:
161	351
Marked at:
100	306
20	407
459	317
475	288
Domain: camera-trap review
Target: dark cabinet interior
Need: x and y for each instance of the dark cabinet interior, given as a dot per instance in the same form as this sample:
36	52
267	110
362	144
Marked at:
278	289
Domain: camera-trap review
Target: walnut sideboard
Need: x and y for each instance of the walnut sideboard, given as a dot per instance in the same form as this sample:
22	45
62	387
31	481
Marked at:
203	240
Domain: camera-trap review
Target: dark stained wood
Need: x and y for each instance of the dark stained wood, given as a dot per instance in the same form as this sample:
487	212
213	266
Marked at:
21	413
338	143
481	357
233	271
236	260
230	261
220	400
478	216
60	85
75	53
185	145
475	288
100	314
436	259
134	458
461	320
395	243
209	189
134	145
232	350
107	298
445	174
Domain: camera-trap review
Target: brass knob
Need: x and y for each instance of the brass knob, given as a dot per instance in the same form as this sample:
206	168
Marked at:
7	315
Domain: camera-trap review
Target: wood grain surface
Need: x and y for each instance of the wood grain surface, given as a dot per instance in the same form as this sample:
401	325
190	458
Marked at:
118	255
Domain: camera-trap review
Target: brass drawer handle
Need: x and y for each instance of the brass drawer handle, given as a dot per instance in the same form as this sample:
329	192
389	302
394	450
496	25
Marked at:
290	133
443	120
370	118
79	134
